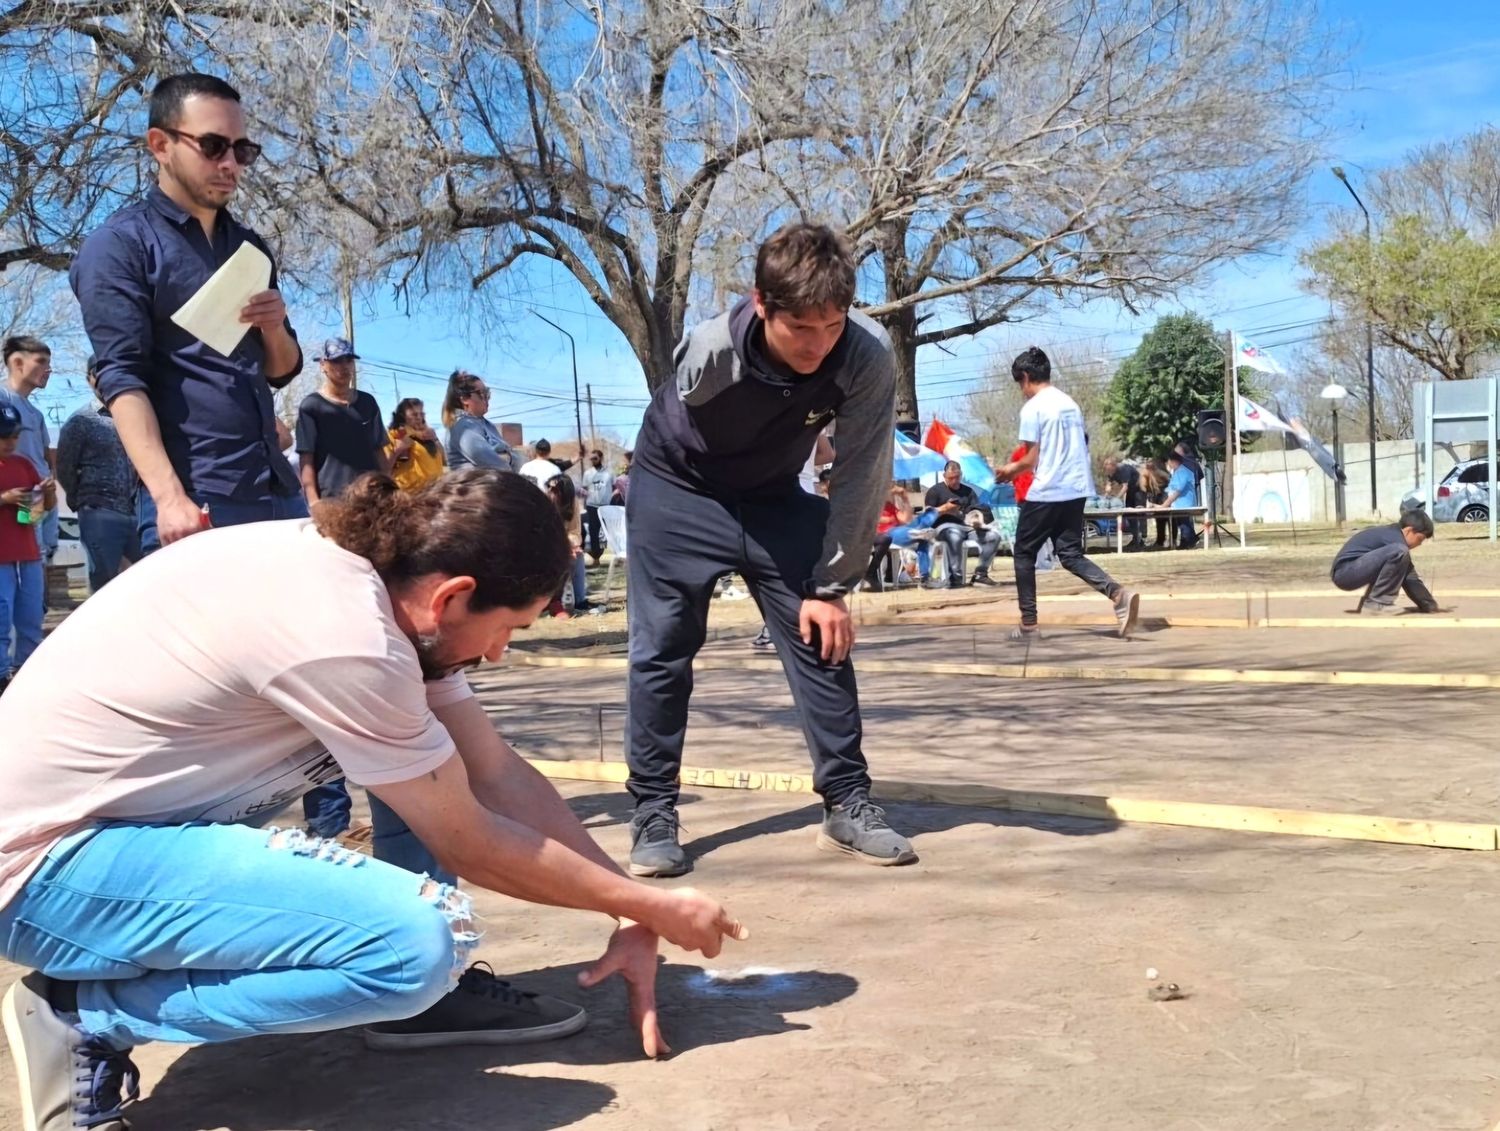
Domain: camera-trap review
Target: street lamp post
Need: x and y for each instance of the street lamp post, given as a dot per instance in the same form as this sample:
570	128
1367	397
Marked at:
1369	336
1334	395
577	408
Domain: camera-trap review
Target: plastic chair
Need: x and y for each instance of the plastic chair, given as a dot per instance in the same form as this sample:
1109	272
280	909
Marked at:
970	545
613	519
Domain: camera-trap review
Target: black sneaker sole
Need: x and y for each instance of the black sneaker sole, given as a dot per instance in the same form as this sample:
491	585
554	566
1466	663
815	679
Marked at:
375	1039
828	844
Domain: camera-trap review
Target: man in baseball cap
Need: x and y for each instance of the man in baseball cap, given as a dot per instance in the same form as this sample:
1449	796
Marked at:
337	349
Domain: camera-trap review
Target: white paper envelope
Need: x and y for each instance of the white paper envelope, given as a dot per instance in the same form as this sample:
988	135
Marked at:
213	314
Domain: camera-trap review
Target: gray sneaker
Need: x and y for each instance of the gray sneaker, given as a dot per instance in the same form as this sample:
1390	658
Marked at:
1127	610
858	828
654	850
1380	609
482	1010
67	1078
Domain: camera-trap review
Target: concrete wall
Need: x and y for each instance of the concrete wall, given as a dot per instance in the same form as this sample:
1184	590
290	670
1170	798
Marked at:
1263	487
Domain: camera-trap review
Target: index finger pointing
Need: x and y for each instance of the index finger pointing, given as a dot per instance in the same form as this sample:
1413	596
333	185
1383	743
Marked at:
733	928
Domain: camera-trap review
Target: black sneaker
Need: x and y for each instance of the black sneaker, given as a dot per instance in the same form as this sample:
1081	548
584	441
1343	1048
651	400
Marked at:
654	850
482	1010
983	578
858	828
67	1078
954	583
763	641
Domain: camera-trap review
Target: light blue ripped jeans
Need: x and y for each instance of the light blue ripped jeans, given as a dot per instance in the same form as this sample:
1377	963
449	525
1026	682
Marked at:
201	933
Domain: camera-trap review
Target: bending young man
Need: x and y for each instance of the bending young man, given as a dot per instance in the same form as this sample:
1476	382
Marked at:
1057	455
141	748
1379	560
714	491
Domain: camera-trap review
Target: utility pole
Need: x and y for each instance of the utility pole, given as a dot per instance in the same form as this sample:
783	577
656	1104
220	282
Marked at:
347	293
1369	334
1231	425
593	432
577	408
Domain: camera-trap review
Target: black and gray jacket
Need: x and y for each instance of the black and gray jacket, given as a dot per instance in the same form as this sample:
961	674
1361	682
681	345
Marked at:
733	426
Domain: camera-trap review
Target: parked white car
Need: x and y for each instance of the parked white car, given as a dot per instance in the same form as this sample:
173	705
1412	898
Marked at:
1463	495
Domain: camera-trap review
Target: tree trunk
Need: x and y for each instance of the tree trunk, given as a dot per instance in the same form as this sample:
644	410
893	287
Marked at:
902	327
900	323
664	337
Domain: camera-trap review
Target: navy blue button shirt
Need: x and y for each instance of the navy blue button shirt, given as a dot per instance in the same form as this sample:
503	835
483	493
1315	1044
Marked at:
216	415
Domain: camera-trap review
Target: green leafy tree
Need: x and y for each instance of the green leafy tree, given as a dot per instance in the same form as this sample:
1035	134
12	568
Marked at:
1157	392
1430	289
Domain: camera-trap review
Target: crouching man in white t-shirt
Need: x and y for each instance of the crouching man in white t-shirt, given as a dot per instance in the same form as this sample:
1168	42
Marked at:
209	687
1057	455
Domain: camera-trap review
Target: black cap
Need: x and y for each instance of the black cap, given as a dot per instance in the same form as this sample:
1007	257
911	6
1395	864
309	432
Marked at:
10	421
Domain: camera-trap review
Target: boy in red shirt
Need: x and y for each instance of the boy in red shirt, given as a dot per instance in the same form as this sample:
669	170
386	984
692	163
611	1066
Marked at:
22	577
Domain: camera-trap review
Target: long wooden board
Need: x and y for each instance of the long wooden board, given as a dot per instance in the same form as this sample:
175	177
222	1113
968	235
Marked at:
1191	814
943	601
984	616
1057	671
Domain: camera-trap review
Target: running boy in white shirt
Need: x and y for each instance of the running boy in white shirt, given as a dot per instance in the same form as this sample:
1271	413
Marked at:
1057	453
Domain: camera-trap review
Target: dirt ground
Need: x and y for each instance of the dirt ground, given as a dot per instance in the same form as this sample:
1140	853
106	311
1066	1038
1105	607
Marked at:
1001	981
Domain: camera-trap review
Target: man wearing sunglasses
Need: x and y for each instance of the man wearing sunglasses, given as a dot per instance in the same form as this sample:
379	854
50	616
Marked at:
198	426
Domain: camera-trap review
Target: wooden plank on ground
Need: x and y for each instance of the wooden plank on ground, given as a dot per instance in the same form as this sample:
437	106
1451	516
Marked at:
1190	814
1258	594
1057	671
1008	616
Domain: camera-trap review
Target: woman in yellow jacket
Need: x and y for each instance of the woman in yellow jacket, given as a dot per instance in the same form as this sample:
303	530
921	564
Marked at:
414	451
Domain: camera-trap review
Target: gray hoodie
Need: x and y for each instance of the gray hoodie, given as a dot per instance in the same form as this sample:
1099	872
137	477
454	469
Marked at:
733	425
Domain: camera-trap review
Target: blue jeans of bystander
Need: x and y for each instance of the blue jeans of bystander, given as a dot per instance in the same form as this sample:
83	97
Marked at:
23	588
203	933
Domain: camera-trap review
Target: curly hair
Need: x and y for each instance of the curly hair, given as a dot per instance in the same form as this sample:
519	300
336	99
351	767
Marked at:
493	526
398	414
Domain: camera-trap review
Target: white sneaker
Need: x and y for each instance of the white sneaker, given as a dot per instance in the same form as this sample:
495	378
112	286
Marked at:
1127	610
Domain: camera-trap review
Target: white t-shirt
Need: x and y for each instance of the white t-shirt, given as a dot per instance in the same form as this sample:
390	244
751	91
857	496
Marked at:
539	471
807	478
1054	423
218	680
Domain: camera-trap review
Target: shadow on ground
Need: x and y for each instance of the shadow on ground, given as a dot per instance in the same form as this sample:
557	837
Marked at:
911	819
331	1082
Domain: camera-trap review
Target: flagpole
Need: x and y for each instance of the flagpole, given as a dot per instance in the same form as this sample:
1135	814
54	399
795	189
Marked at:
1286	474
1239	485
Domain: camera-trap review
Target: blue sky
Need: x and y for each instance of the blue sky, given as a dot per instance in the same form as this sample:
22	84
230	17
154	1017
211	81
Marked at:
1418	73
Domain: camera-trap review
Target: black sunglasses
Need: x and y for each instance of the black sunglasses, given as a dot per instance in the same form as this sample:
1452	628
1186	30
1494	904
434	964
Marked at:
214	146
